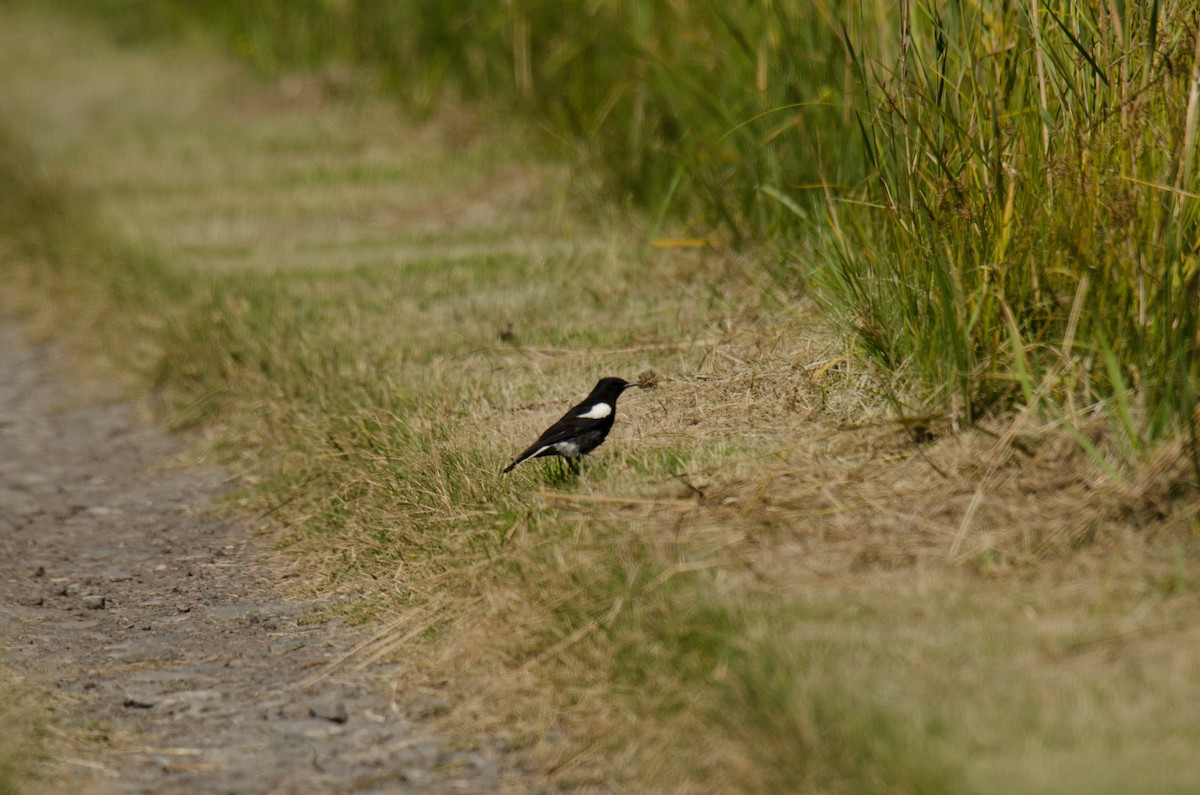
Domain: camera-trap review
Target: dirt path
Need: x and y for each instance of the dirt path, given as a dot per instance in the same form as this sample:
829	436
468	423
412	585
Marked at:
123	589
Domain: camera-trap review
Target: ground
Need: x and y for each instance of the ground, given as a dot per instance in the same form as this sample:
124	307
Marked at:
155	617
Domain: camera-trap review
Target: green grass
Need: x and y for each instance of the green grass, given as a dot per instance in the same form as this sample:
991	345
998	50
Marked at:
1027	233
739	594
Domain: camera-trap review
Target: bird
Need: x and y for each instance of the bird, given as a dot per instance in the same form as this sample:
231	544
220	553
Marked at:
582	429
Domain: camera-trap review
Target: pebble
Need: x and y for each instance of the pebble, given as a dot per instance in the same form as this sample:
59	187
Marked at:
95	602
434	708
139	701
425	754
416	776
284	646
330	709
18	503
476	763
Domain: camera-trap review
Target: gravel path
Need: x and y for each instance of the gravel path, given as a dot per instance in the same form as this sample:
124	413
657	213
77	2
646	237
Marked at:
122	588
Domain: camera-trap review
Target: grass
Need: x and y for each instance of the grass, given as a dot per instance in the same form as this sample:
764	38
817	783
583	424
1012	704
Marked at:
34	756
1026	233
13	754
996	201
654	95
761	583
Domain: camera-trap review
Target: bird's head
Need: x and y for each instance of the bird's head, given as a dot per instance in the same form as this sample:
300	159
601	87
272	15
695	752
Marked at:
611	387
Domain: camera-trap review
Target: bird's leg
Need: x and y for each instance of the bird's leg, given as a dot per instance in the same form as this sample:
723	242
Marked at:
574	464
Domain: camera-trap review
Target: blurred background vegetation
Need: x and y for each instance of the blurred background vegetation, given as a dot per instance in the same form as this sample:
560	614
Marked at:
997	201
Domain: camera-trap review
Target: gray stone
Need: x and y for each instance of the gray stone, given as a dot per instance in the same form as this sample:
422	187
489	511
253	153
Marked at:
434	708
329	708
416	776
18	503
286	645
142	649
480	764
139	701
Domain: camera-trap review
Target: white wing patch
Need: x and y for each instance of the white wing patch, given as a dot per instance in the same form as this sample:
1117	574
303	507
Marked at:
597	412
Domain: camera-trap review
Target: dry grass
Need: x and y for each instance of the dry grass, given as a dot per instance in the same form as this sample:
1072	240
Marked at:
761	583
17	743
37	757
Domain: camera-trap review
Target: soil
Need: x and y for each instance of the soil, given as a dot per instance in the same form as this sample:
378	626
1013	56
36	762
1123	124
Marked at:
181	665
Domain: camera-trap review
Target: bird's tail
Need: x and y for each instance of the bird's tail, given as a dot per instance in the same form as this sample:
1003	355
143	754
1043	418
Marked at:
533	452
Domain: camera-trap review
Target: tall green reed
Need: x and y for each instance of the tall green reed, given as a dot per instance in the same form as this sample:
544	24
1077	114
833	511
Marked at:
1028	231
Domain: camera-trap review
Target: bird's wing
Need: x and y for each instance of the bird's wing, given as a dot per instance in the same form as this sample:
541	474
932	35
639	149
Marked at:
566	428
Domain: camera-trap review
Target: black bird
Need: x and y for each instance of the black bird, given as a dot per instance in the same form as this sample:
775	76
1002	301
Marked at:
582	429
